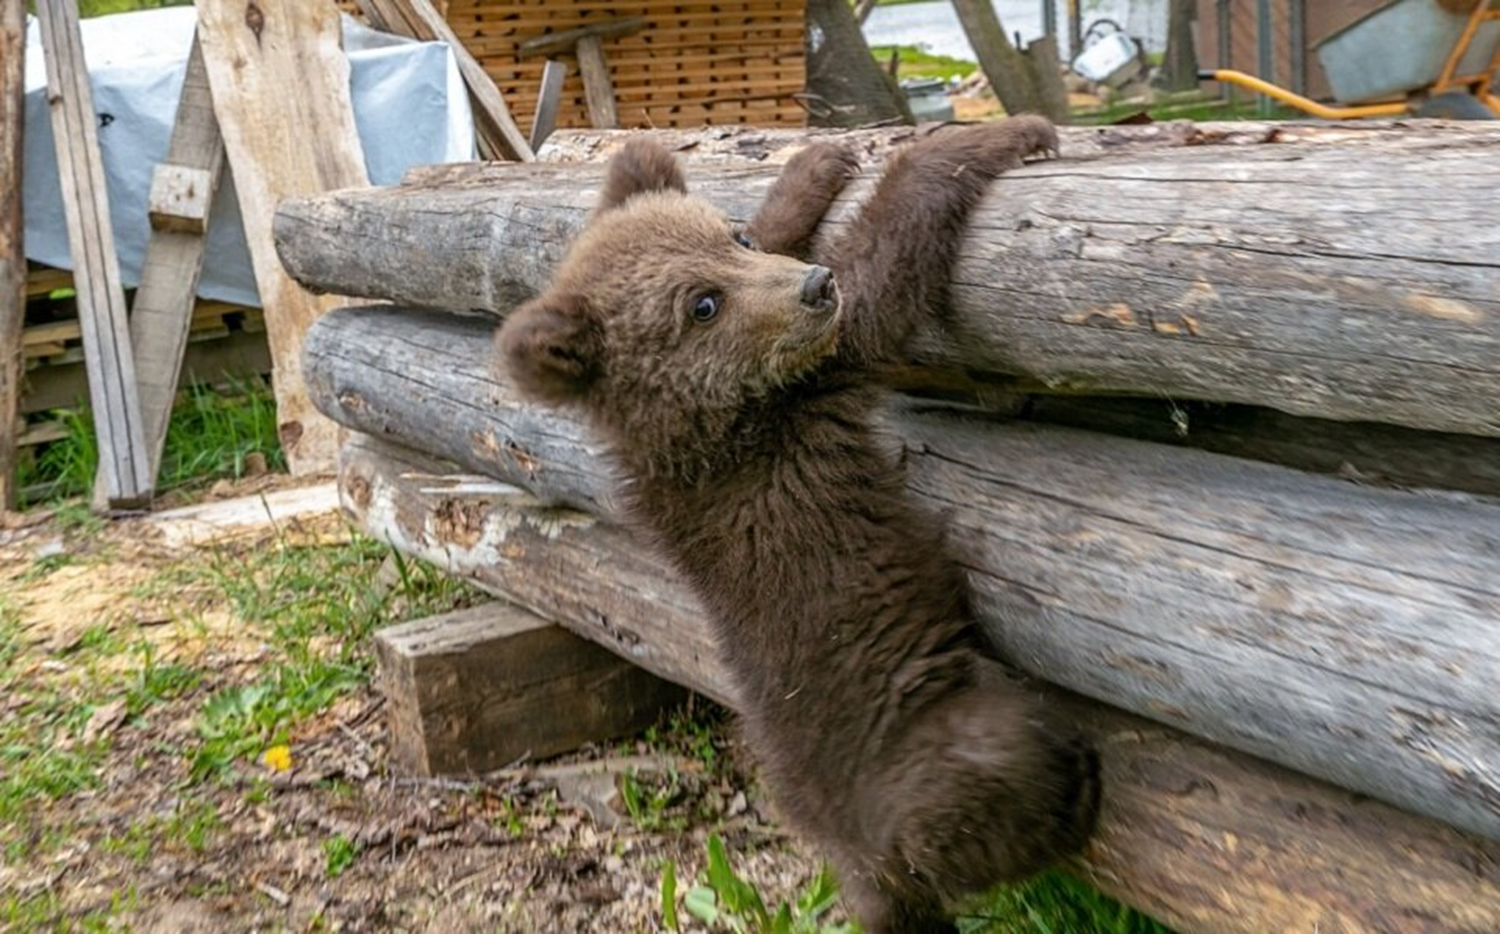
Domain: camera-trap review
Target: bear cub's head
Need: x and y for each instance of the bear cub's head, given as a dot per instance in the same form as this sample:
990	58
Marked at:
664	323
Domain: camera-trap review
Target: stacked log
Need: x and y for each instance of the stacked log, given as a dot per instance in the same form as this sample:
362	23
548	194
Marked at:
1294	641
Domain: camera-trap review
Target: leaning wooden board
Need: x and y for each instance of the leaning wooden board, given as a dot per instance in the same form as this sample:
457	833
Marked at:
182	197
12	255
1327	271
1202	837
124	459
1350	633
280	85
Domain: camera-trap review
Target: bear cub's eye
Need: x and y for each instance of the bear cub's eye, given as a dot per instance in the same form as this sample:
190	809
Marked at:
706	308
743	240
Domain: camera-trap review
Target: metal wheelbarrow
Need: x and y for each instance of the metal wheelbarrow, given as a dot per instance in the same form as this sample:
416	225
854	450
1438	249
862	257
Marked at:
1428	58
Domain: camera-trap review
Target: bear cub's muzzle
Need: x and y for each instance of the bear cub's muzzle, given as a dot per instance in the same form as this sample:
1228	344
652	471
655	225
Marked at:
818	290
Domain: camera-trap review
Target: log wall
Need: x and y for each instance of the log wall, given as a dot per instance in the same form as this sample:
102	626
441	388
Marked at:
1204	838
1350	274
1350	633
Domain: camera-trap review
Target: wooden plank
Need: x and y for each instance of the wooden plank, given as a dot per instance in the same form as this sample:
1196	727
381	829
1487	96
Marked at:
598	91
180	198
43	280
1347	632
478	689
1225	263
283	145
565	40
548	100
658	57
500	137
124	457
165	301
13	279
1202	837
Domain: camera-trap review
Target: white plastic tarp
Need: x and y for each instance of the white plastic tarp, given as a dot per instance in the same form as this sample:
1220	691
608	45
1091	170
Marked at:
409	105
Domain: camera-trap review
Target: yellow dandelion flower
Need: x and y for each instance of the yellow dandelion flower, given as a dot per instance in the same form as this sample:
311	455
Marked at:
277	758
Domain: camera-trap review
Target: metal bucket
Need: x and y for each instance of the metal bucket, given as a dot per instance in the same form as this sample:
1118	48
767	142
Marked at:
928	98
1400	48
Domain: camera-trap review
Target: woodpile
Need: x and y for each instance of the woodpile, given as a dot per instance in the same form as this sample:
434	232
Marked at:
1280	620
691	64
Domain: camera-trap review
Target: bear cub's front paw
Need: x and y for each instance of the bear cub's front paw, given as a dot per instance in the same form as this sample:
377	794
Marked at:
823	169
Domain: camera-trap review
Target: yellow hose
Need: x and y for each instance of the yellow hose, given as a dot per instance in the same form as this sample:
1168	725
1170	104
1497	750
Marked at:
1306	105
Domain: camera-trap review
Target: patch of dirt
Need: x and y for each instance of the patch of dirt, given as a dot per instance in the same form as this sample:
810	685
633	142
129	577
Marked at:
340	840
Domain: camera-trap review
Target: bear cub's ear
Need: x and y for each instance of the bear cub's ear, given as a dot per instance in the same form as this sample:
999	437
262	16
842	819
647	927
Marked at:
641	166
552	348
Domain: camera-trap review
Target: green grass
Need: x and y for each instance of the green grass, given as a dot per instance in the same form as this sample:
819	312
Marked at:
1198	111
1055	904
339	854
317	605
725	901
88	8
1051	904
210	436
916	62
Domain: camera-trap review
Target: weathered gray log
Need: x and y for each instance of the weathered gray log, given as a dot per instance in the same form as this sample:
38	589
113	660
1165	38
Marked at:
1350	633
1333	272
1363	452
1202	837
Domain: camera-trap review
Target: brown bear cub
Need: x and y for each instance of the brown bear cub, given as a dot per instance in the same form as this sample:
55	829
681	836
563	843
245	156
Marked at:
735	383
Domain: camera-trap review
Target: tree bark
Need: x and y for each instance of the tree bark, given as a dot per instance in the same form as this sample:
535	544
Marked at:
12	247
1350	633
1307	269
846	87
1202	837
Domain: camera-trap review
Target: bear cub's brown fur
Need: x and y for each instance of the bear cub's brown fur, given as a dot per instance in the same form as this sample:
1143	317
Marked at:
734	383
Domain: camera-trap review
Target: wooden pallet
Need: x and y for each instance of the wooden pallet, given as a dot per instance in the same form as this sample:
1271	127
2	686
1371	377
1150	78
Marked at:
224	339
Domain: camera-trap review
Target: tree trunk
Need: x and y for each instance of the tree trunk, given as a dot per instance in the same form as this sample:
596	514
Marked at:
1203	838
846	87
12	247
1046	79
1013	78
1314	270
1350	633
1180	70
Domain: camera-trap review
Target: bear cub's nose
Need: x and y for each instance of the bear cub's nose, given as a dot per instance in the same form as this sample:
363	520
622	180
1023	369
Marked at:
817	288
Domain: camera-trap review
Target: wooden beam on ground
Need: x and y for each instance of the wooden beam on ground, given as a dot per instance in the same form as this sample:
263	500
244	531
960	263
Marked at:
478	689
12	236
280	85
182	195
1350	633
124	457
1236	263
1204	838
499	136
